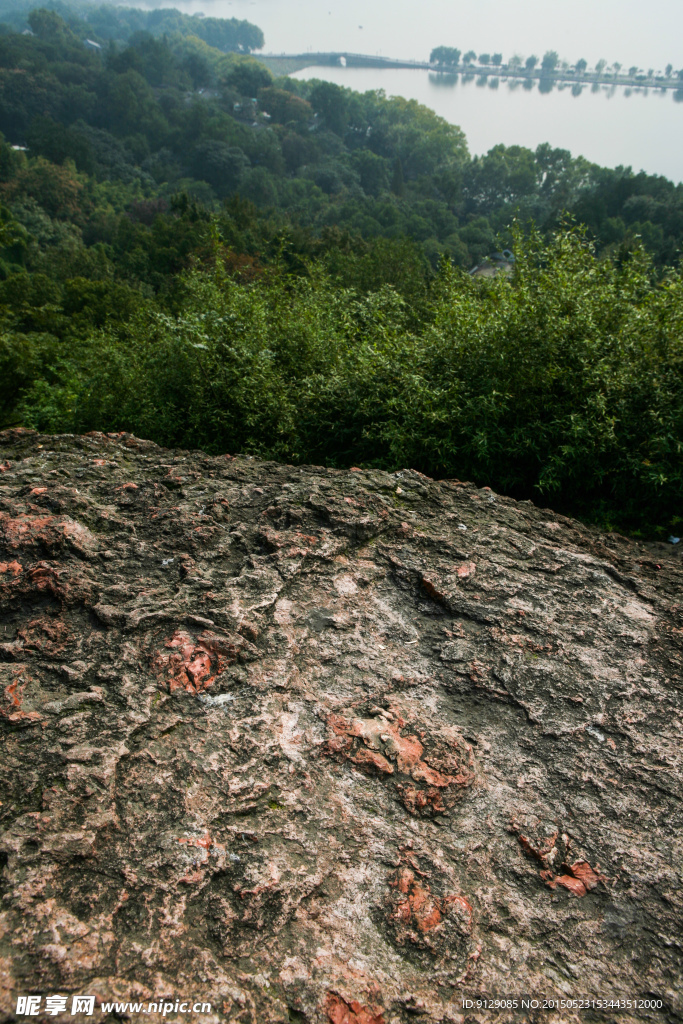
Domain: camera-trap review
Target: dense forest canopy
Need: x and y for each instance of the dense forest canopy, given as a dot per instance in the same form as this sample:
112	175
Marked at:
206	255
106	23
164	115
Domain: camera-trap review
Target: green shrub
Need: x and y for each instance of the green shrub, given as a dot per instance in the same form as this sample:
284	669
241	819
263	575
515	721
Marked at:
563	384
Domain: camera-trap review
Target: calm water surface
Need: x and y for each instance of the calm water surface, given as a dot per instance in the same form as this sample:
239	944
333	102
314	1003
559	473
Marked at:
641	131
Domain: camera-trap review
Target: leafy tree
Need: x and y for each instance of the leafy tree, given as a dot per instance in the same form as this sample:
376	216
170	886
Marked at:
11	160
48	25
484	58
119	24
296	151
222	165
581	66
531	63
129	104
497	59
469	57
562	385
246	75
550	61
285	107
223	33
198	69
57	189
372	171
504	174
331	102
445	55
52	140
600	66
139	131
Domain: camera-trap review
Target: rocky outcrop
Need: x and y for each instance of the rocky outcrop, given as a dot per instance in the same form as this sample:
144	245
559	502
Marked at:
323	746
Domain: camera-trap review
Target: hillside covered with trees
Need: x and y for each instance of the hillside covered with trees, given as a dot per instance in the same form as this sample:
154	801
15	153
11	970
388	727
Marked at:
106	23
159	116
195	251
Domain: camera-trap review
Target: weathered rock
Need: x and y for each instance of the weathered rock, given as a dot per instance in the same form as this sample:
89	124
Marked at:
324	746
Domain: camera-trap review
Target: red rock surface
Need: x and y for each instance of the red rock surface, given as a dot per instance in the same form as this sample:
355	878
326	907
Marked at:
323	746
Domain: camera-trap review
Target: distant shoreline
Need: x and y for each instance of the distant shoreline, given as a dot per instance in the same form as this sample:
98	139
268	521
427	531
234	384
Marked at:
287	64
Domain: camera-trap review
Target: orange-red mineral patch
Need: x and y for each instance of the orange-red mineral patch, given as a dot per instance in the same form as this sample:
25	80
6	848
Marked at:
192	665
205	841
13	567
371	759
417	905
427	782
13	692
418	800
341	1011
24	530
423	918
31	531
579	879
13	698
42	578
187	667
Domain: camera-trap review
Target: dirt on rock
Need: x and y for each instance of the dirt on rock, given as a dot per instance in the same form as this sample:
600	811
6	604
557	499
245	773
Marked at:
325	746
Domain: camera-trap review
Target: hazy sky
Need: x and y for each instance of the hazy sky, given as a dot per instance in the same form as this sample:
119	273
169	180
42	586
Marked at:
644	32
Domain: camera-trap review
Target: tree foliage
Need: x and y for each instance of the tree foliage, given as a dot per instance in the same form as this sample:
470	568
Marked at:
205	255
562	384
550	61
108	23
445	55
172	114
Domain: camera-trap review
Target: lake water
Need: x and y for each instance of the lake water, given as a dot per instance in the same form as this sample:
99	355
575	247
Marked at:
641	131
